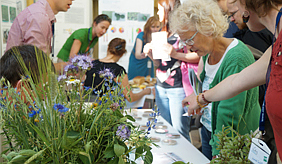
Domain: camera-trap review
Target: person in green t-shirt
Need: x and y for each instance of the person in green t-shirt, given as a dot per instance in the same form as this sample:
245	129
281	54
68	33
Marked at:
83	40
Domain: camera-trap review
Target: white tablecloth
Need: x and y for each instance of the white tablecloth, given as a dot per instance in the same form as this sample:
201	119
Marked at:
183	149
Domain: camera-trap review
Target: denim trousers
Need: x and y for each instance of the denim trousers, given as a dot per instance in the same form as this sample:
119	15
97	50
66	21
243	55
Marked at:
169	102
206	147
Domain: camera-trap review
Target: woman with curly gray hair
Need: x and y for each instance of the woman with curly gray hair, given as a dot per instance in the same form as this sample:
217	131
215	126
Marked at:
201	25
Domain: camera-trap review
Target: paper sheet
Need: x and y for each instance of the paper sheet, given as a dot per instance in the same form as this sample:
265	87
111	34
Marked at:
158	39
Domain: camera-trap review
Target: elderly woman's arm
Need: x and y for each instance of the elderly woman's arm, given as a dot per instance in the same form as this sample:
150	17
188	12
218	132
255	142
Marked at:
252	76
190	57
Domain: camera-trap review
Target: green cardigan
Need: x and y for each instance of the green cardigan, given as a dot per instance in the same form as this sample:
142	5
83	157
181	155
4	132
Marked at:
242	111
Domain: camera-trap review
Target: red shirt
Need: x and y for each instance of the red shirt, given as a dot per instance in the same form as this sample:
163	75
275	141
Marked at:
273	97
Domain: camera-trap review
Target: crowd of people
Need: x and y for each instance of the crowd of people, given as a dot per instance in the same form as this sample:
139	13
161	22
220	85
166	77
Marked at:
238	66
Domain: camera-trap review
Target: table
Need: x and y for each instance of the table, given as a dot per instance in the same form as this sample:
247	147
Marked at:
183	149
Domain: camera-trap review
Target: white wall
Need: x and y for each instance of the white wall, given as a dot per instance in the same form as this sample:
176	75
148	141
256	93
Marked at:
11	8
80	15
127	27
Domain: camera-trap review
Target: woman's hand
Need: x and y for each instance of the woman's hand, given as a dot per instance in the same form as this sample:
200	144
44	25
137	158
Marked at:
169	49
193	106
148	49
147	91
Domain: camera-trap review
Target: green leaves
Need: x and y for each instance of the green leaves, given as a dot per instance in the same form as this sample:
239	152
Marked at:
234	147
138	152
82	134
119	150
109	152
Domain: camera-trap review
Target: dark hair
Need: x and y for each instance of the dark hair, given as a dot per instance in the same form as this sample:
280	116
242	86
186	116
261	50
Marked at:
11	67
117	46
168	6
261	7
147	28
102	17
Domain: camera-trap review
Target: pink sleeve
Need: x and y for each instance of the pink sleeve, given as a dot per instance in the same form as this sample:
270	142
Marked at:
38	32
14	38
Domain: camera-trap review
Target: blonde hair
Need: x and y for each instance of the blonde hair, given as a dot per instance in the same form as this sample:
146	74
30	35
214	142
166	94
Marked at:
204	16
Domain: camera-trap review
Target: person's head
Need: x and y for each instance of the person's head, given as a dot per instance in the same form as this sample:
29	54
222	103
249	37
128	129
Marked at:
152	25
198	23
60	5
253	10
101	24
222	5
164	9
18	60
117	47
27	69
261	7
235	15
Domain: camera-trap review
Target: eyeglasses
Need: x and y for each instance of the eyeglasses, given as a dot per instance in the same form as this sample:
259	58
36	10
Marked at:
190	41
232	15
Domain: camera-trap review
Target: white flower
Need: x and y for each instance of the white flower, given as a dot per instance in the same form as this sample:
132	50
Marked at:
72	81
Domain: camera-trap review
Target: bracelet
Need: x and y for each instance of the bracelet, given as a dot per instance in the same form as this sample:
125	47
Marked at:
200	105
205	100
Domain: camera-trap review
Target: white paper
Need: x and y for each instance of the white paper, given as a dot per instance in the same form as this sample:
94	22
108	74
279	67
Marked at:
158	40
259	152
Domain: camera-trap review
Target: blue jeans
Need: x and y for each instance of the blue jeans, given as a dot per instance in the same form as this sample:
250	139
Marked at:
206	147
169	102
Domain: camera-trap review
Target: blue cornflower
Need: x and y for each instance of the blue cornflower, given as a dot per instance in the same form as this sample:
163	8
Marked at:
87	88
148	123
38	111
33	112
155	120
61	108
2	92
123	132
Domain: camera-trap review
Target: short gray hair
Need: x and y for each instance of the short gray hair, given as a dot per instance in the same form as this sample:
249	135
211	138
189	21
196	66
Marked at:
204	16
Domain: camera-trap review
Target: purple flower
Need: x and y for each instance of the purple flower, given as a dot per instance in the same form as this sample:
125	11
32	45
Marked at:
82	62
106	73
123	132
61	108
62	77
114	106
71	68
